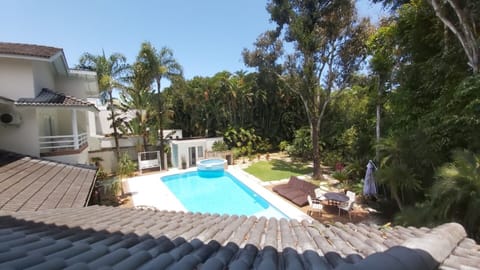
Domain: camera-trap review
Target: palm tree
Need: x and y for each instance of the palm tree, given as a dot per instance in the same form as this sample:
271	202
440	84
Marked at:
110	71
394	172
138	100
155	66
456	194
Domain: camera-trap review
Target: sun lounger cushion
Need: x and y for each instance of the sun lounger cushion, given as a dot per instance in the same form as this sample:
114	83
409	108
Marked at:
296	190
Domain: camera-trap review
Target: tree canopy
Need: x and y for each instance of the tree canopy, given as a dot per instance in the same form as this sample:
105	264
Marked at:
328	45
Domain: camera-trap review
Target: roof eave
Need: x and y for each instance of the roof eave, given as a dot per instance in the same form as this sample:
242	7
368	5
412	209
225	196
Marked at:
86	107
25	57
59	62
6	100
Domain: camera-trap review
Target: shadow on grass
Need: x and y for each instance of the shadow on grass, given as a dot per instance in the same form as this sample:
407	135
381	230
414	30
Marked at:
291	166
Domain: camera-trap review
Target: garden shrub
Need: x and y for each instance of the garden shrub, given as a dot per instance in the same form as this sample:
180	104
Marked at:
331	158
283	145
219	146
340	175
301	146
126	167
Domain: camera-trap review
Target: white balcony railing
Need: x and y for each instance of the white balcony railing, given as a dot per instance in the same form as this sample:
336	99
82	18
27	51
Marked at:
62	142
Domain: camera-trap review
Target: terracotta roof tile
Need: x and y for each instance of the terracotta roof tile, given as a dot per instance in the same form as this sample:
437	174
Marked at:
28	183
48	97
121	238
28	50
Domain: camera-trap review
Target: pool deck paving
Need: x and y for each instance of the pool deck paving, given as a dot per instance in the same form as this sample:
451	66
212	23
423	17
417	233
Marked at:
148	191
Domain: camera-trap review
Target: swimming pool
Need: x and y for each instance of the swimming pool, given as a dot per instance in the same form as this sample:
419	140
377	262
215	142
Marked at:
222	194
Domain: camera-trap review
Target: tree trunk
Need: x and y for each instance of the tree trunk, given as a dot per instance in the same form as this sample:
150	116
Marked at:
317	173
396	198
162	148
160	124
145	142
378	120
114	125
377	133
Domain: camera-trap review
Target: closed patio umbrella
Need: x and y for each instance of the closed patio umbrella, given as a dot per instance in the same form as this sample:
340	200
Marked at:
369	186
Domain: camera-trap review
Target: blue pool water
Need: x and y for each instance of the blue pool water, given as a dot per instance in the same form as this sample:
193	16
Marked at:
218	193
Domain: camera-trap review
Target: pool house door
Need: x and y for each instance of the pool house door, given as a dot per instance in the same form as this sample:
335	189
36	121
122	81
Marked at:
193	156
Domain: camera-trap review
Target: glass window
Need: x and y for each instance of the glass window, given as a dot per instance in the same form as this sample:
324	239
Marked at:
200	151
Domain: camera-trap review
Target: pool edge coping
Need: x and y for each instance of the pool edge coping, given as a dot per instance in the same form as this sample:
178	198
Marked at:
247	179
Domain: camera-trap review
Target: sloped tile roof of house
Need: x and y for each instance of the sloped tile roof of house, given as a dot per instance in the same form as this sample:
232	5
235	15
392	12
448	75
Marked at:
48	97
28	50
123	238
28	183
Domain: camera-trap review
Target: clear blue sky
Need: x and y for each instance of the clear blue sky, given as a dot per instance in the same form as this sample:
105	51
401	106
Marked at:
206	36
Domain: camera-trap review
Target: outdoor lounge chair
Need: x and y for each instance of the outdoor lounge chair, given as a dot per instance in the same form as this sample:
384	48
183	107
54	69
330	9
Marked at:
314	205
348	206
296	190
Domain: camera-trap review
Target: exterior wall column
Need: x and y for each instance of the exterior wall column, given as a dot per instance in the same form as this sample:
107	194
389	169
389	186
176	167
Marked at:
75	129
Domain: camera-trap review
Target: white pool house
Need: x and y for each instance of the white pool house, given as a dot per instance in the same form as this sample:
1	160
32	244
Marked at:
190	150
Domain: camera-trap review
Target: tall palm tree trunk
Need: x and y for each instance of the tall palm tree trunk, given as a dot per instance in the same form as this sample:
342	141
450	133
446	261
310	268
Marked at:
160	124
114	125
378	118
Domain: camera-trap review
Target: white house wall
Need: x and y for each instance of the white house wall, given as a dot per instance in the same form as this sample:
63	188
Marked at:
65	123
24	137
43	76
80	84
92	127
61	121
130	141
104	124
81	158
16	79
47	127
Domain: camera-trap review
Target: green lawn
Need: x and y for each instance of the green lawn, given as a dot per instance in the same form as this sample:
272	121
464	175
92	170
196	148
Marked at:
277	169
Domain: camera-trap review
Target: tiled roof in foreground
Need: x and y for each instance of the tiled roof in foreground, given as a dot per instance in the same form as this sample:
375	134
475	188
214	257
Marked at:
28	183
28	50
120	238
50	98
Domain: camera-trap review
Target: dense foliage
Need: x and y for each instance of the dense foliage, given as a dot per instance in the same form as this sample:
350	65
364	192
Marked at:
209	106
432	109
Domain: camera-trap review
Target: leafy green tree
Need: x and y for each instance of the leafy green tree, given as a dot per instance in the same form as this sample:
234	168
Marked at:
462	18
328	44
348	125
383	61
421	105
246	140
110	72
153	66
192	101
301	146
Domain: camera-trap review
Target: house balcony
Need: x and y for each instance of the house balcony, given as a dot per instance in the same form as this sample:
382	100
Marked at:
62	144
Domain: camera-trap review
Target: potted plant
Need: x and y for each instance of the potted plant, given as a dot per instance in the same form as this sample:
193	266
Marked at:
184	162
